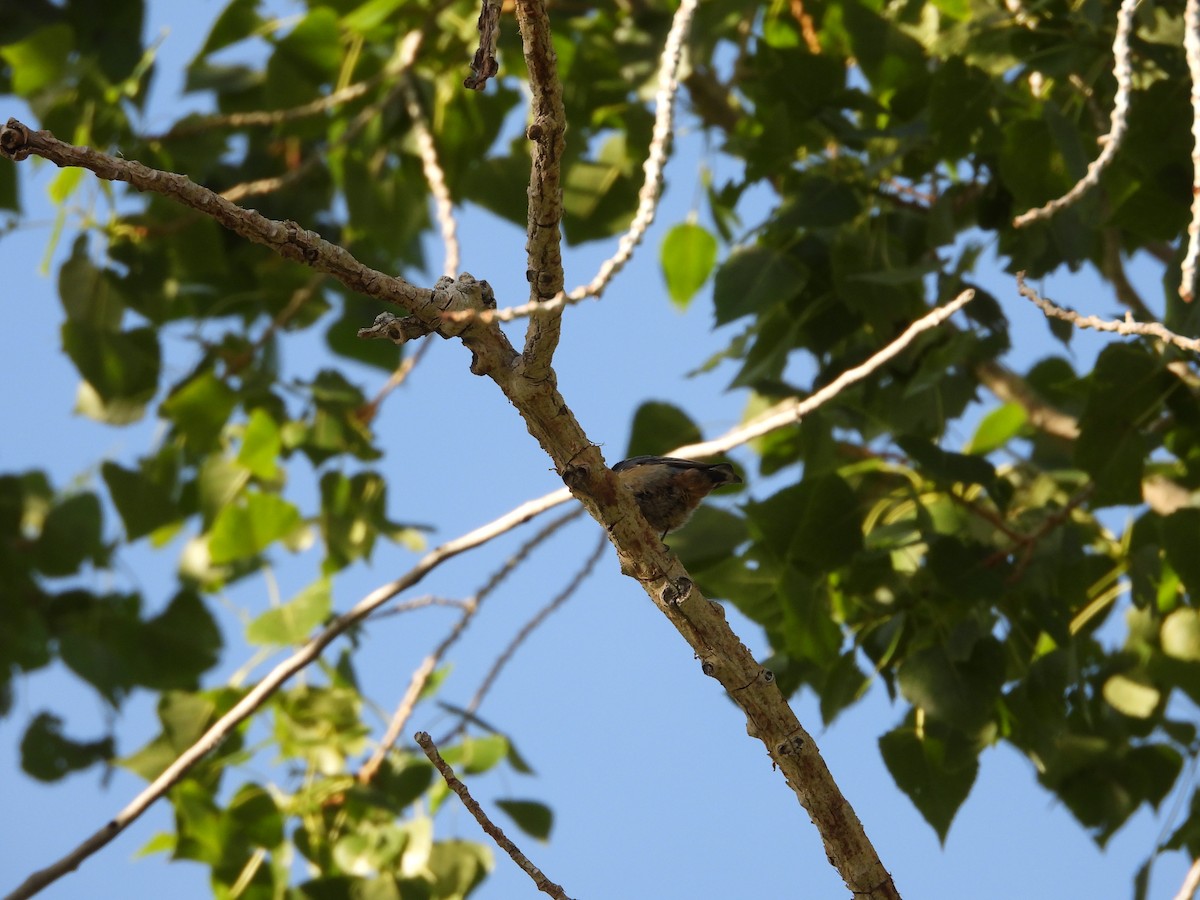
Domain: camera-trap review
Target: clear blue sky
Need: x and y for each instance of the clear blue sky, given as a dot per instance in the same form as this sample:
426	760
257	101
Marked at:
656	788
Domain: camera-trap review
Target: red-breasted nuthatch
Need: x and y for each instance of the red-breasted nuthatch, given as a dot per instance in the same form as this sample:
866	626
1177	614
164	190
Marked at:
668	490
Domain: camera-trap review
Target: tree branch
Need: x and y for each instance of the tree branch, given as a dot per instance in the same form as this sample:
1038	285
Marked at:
435	177
1123	71
529	628
259	694
1126	327
544	884
471	607
656	156
543	244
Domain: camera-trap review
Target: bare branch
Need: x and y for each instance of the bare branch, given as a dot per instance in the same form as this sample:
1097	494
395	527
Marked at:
420	677
529	627
428	308
259	694
1123	71
656	157
1128	326
398	377
793	410
1191	46
434	175
18	142
544	884
403	61
1008	387
543	244
648	195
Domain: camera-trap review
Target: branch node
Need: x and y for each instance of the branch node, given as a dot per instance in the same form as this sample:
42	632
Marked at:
677	592
791	746
14	140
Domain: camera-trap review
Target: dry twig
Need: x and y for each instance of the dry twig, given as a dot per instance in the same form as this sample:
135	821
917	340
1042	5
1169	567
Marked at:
1123	71
471	607
1117	326
544	884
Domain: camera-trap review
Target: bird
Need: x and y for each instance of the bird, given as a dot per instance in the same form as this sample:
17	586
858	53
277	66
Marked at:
668	490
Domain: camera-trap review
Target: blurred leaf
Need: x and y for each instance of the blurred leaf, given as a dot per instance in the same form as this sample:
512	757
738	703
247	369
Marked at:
49	756
658	426
247	529
292	622
934	768
533	818
200	408
688	254
144	505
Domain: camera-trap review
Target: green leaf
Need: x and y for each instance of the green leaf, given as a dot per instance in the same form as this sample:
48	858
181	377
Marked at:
261	446
178	645
246	530
237	21
816	523
688	254
49	756
658	426
946	466
997	428
71	535
292	622
960	692
119	365
934	767
753	279
458	867
200	408
88	294
40	60
143	504
533	818
1126	389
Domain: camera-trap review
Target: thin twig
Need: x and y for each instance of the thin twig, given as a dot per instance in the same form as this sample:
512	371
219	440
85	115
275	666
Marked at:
656	157
788	412
405	57
1117	326
648	195
527	629
1123	71
435	176
544	884
1191	46
258	695
1009	387
398	377
268	117
420	677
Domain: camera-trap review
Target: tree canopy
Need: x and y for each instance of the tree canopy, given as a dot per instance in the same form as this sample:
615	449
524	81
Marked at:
864	165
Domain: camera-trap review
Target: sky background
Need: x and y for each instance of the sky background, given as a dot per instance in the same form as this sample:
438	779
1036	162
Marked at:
656	789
